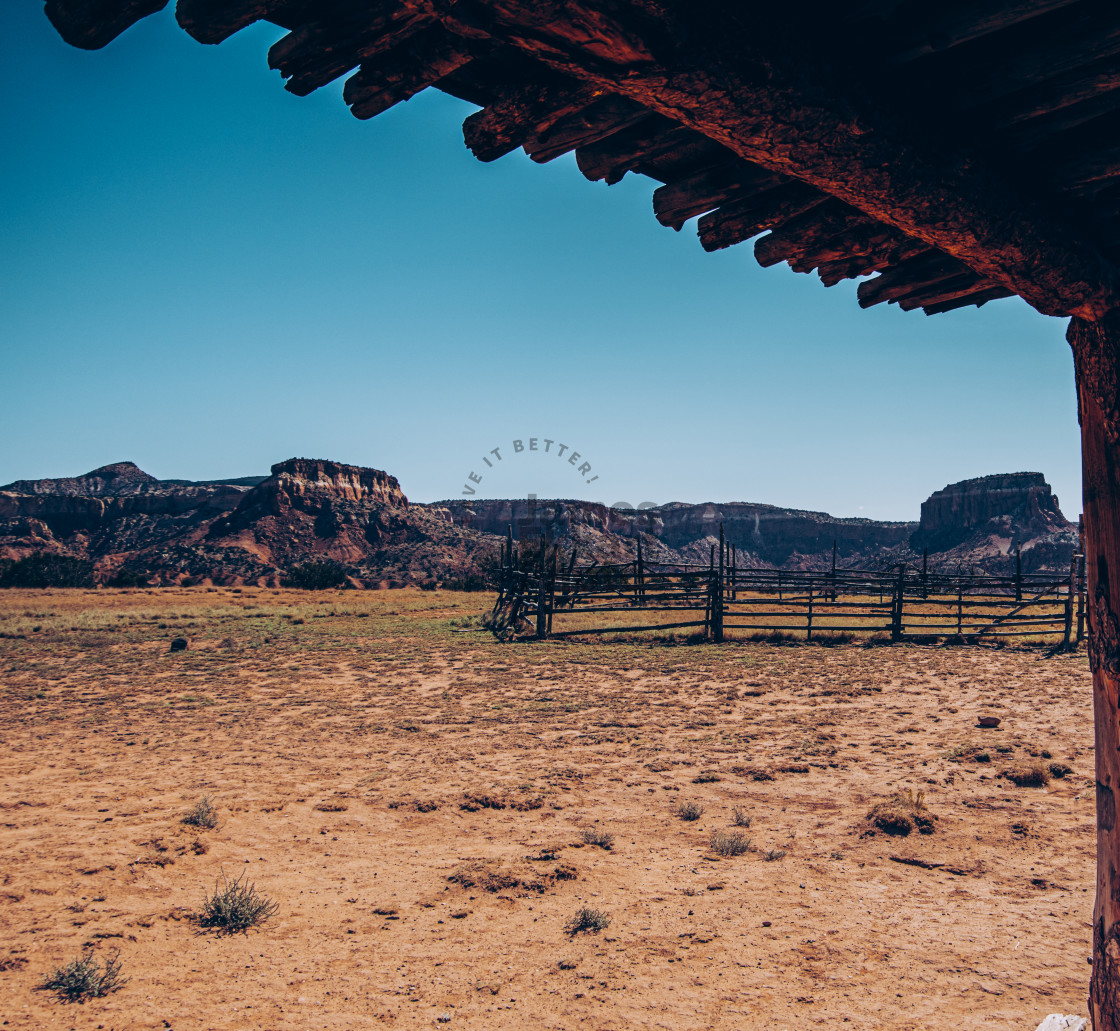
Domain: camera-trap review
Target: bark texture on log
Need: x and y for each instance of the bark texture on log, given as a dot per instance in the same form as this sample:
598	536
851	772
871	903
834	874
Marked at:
1096	353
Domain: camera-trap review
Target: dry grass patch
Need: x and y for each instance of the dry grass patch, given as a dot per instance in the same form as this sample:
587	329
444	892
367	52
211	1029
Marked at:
902	813
1028	775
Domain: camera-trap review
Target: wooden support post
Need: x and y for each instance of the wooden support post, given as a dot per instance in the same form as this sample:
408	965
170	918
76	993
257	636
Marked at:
1096	352
509	545
734	571
809	618
1018	572
960	607
780	586
552	588
925	573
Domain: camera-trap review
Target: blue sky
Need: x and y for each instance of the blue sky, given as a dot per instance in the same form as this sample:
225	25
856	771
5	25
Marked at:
206	275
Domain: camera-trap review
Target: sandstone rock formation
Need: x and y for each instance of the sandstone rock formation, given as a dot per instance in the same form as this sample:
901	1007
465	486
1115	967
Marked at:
256	528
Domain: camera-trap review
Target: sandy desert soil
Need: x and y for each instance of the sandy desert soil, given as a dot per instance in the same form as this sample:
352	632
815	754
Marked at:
415	800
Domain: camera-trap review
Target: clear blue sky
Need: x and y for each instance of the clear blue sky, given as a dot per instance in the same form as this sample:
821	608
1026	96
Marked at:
206	275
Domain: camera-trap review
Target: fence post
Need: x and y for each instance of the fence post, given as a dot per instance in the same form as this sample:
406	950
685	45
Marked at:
1019	572
1071	591
960	608
834	571
541	623
925	573
734	571
809	619
640	584
552	588
1081	580
896	622
717	614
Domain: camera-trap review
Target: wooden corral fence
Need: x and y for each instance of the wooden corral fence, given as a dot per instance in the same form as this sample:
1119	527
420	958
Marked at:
545	597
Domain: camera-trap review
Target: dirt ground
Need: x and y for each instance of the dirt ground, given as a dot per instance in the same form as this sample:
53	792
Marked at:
415	796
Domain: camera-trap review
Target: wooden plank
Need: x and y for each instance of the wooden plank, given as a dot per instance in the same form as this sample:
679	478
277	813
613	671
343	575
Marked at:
907	277
92	24
702	191
604	115
523	114
211	21
740	220
317	52
400	74
980	298
652	138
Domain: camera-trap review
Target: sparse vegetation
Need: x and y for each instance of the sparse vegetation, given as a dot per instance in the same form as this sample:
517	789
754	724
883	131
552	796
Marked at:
46	570
729	843
1028	775
600	838
588	921
202	815
902	813
774	855
235	906
85	978
317	575
1058	770
688	811
740	817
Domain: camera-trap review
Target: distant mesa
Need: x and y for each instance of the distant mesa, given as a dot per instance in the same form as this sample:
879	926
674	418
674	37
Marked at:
137	529
118	478
1014	506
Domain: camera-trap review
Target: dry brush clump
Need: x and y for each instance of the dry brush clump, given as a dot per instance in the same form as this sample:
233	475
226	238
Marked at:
235	906
588	921
600	838
740	817
729	843
202	815
902	813
1028	775
85	978
688	811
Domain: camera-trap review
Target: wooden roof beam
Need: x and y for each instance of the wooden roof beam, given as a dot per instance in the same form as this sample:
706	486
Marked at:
417	63
742	219
775	106
703	191
523	114
320	50
92	24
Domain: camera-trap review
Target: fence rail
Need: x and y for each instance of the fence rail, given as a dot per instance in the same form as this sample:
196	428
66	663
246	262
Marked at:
546	598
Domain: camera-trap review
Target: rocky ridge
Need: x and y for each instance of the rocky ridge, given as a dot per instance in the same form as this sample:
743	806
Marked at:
254	528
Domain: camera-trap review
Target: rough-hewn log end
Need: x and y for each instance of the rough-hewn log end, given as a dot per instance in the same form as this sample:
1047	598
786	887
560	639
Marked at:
92	24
